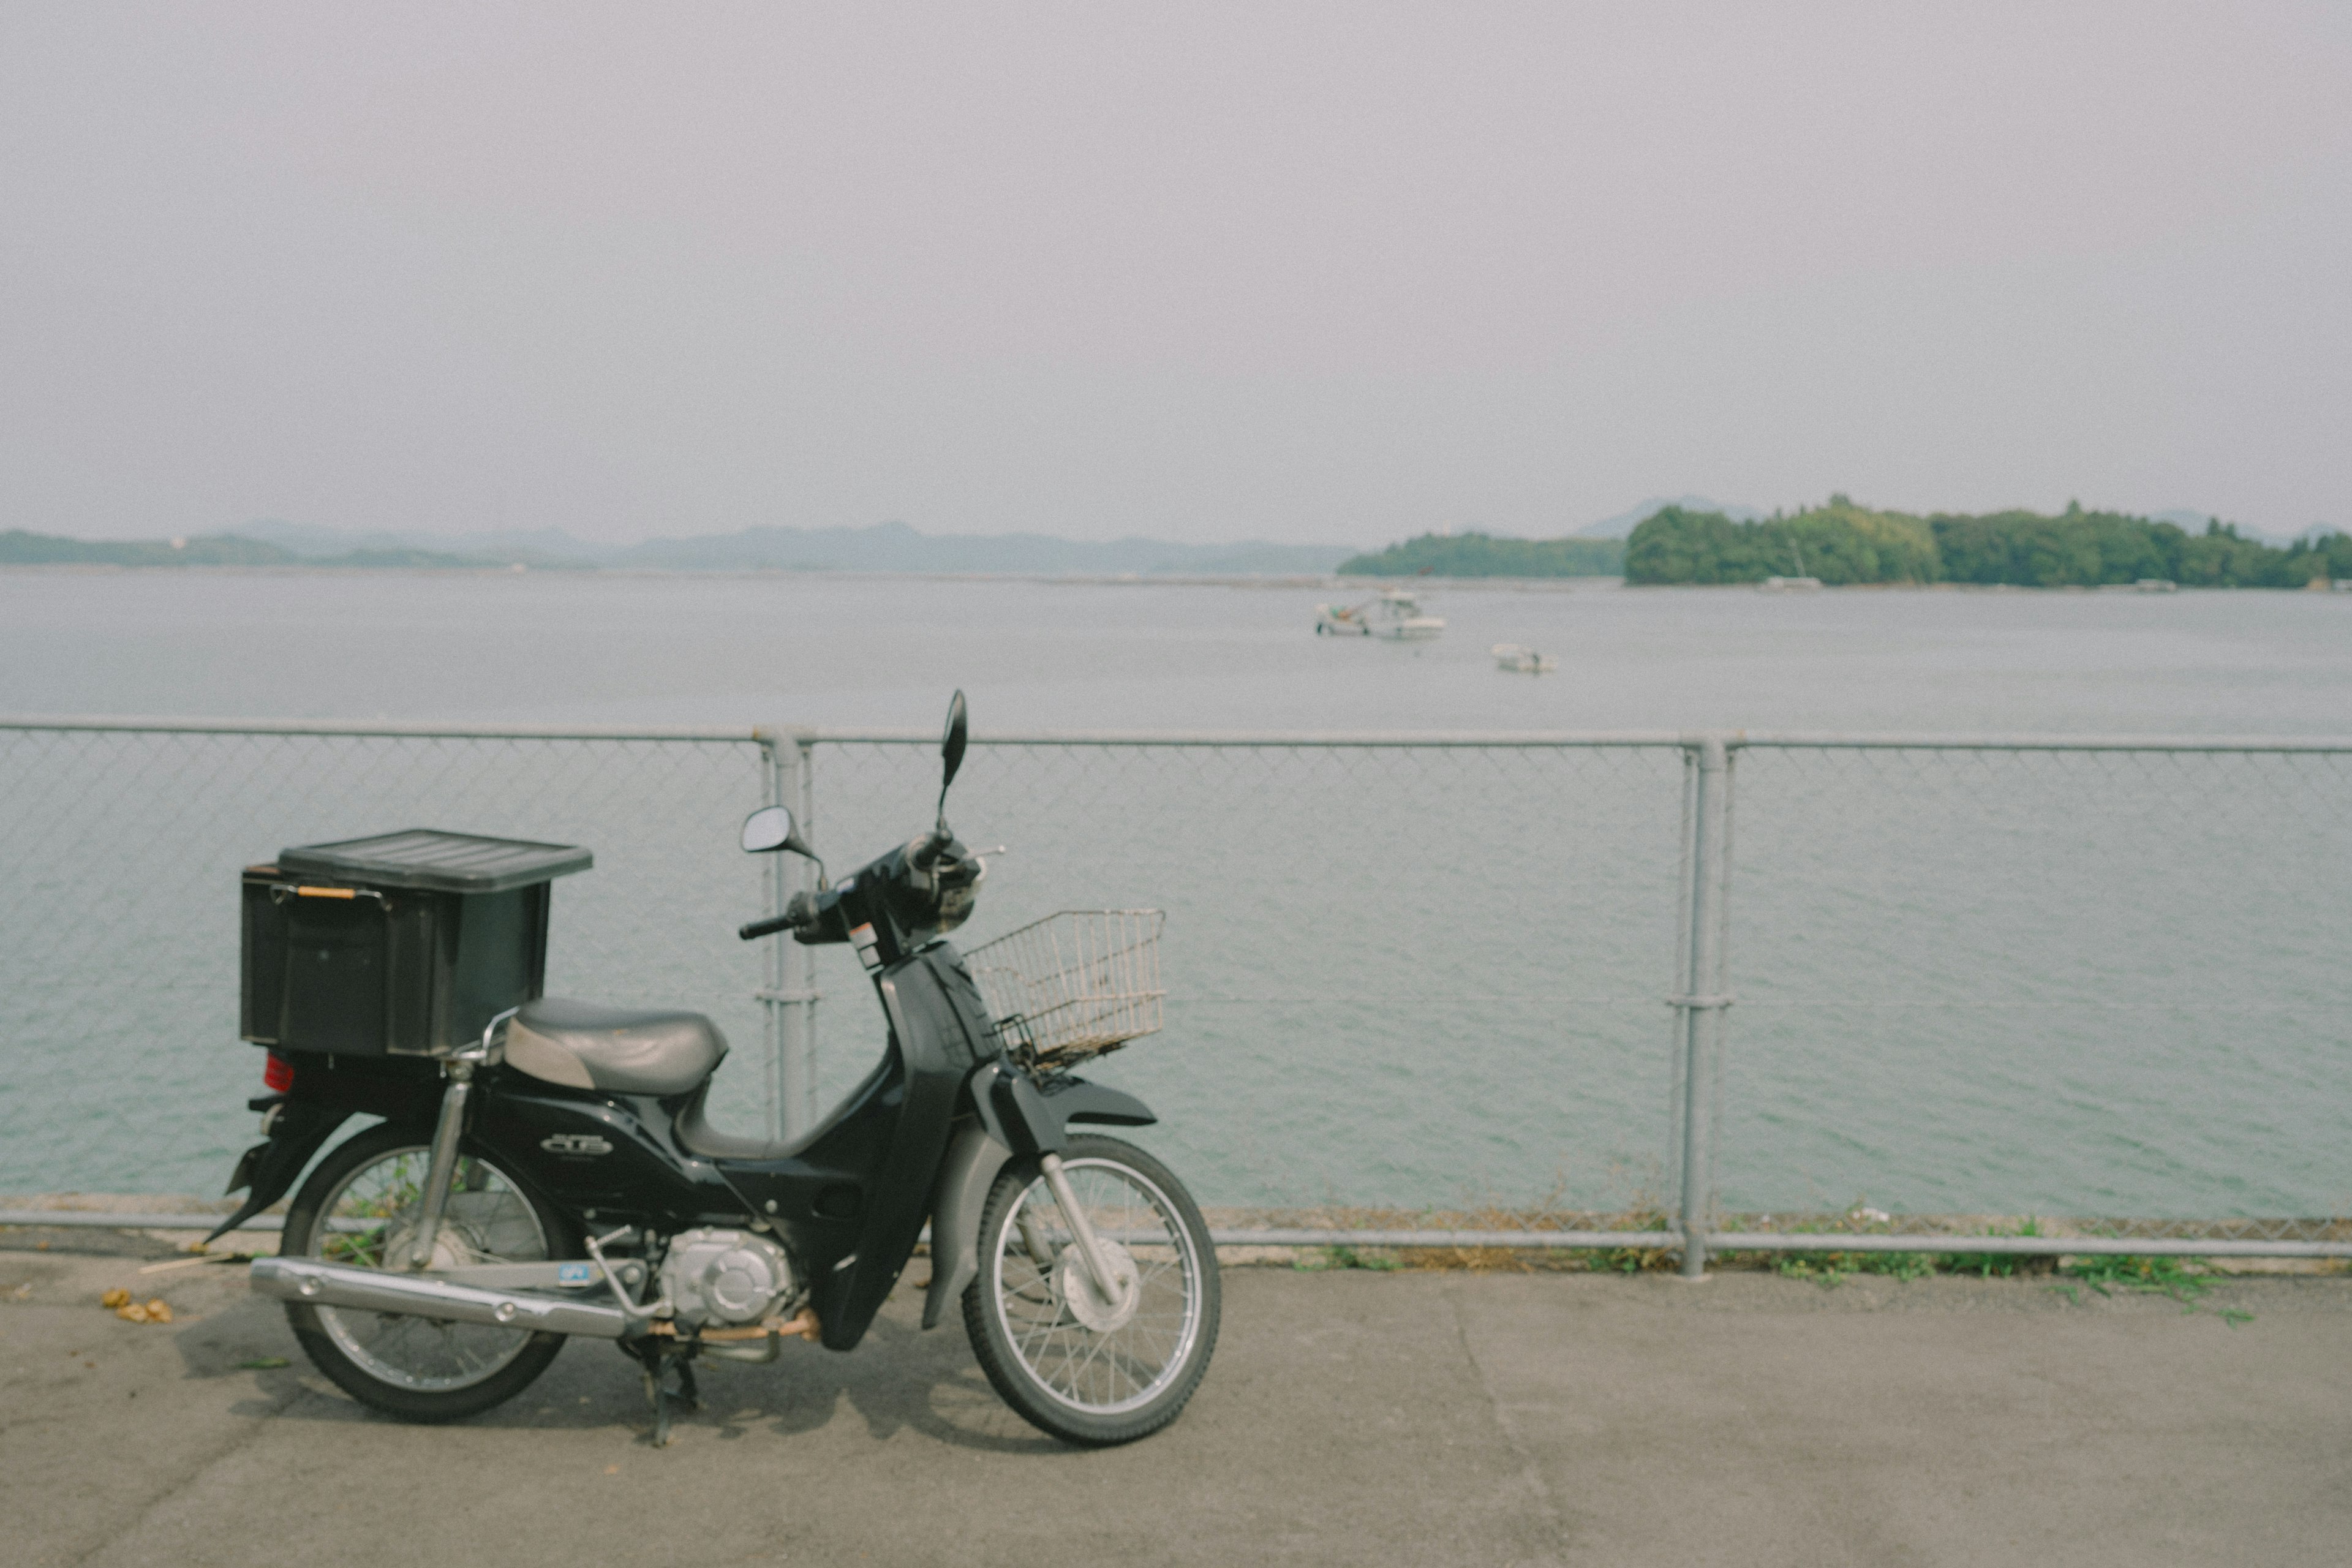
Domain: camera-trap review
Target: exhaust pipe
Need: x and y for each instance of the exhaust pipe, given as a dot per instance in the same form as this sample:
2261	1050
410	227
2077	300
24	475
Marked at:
319	1284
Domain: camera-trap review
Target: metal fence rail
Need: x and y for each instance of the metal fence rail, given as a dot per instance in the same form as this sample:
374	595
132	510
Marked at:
1997	974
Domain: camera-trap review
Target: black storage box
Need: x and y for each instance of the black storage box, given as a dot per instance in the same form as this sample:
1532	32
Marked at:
405	944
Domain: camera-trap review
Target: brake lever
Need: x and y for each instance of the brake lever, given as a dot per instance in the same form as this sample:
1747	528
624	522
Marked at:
979	859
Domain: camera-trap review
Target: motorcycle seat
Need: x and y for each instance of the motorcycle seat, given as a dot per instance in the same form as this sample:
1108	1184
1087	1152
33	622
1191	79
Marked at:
583	1046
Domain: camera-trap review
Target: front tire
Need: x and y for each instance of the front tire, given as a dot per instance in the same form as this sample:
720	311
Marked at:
1077	1367
354	1209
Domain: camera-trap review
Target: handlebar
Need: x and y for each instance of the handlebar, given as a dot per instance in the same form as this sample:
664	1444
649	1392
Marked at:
801	911
923	884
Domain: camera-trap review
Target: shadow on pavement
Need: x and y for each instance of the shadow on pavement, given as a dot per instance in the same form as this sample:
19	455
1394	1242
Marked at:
900	1377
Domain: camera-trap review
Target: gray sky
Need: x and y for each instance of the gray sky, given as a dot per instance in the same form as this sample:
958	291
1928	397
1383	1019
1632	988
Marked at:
1338	272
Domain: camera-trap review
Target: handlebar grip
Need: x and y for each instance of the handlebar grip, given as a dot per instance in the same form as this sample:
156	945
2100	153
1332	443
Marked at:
927	855
801	911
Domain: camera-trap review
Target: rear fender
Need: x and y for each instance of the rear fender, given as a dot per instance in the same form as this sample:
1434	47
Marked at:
328	1091
299	1130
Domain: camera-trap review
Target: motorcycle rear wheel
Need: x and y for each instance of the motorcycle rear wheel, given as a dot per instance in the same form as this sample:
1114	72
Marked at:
351	1210
1077	1367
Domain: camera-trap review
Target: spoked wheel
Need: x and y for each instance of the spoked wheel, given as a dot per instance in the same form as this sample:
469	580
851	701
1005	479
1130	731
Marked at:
361	1206
1083	1365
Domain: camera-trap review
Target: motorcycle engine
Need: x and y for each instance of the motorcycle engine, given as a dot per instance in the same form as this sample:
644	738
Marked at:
724	1276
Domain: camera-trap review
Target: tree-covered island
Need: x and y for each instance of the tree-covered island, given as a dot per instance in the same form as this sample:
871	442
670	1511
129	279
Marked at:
1483	555
1840	543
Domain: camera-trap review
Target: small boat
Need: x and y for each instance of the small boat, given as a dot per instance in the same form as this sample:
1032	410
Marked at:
1523	660
1800	583
1395	614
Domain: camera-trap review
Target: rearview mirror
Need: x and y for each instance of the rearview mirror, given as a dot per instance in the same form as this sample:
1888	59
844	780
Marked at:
770	827
952	746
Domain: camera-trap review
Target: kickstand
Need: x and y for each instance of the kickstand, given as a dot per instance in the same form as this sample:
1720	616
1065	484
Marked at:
659	1360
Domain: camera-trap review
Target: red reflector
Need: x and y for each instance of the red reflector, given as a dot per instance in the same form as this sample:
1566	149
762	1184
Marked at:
278	1074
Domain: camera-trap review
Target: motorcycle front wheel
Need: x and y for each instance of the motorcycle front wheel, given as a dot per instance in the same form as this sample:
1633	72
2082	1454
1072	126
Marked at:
359	1206
1075	1364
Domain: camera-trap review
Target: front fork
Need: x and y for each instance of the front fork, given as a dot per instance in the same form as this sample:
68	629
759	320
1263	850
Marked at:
1074	1215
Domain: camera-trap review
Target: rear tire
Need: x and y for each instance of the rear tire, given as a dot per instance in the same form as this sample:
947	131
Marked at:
415	1368
1083	1370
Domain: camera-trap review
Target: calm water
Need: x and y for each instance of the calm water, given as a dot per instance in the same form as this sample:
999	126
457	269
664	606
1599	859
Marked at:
882	652
2055	984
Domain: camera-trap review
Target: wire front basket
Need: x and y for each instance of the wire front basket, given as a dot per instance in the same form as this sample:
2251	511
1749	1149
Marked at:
1074	985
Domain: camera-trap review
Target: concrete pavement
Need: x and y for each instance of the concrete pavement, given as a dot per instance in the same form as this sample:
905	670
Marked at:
1350	1418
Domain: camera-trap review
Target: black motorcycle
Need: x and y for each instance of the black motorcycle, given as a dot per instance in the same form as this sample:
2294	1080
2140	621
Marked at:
559	1179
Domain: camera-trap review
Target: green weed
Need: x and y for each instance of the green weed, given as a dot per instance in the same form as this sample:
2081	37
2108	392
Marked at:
1830	1269
1635	1259
2181	1279
1346	1257
1997	1264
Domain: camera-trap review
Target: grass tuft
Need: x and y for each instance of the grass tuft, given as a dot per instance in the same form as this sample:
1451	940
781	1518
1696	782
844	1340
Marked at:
2001	1264
2184	1280
1328	1258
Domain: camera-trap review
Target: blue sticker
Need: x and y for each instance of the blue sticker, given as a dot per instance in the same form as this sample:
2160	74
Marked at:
572	1274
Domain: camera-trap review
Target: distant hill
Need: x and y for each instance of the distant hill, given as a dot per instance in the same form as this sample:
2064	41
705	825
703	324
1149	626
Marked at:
534	547
896	547
19	548
878	547
1485	556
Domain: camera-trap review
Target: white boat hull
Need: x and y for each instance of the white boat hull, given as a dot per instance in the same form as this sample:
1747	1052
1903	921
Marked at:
1520	661
1393	616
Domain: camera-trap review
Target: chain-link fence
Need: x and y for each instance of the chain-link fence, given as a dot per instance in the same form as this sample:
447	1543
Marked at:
2006	979
1398	975
119	925
1555	973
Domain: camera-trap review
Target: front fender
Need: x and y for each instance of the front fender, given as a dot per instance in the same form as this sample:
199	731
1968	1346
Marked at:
1032	1120
1014	1115
1076	1099
965	1176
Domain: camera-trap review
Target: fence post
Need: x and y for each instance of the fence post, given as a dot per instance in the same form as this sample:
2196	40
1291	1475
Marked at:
775	784
1703	1000
788	996
799	1063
